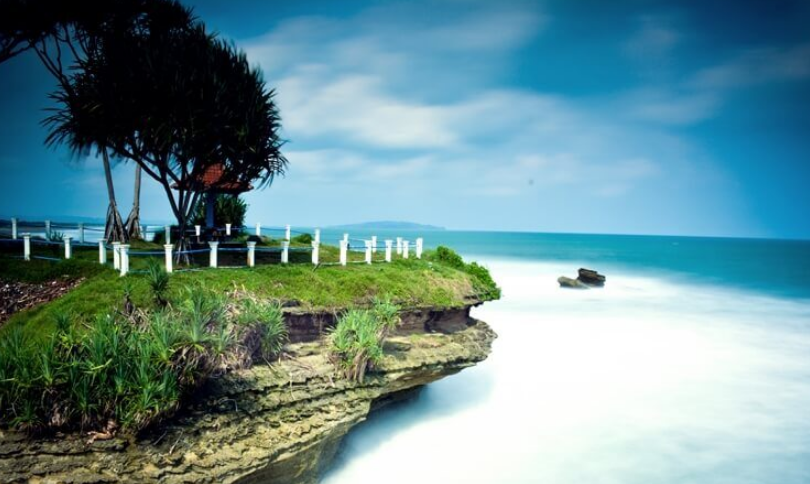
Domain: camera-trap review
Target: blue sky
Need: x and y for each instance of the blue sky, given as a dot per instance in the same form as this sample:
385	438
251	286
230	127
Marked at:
637	117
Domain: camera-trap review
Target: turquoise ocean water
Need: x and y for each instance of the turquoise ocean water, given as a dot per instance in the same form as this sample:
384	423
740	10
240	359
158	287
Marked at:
691	365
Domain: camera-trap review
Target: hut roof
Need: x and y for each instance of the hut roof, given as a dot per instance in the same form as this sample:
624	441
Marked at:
211	180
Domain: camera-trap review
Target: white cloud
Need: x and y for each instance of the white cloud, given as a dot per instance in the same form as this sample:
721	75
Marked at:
653	40
757	66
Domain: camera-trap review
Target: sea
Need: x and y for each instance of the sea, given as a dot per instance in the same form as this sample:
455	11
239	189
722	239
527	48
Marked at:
691	365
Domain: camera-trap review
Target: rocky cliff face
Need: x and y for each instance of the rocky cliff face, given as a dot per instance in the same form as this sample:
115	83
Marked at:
278	423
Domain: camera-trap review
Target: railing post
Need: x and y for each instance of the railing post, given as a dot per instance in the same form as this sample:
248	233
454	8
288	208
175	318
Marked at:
27	246
168	250
102	251
197	230
167	230
81	233
124	248
343	249
213	258
116	255
318	236
346	239
316	247
399	245
68	247
48	229
419	244
228	230
287	232
14	229
251	253
388	244
405	245
368	251
285	251
258	230
374	243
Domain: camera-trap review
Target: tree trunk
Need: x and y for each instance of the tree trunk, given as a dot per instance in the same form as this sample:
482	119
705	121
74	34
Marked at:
133	224
114	230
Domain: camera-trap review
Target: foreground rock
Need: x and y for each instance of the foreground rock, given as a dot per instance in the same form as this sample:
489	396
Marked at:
587	278
567	282
280	423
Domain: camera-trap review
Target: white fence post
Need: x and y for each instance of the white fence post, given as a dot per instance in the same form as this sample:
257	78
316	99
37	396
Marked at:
213	257
167	230
399	245
318	236
14	229
287	232
388	244
419	244
228	230
102	251
48	229
124	248
285	251
346	238
316	247
343	249
68	247
81	233
27	246
258	230
116	255
197	230
251	253
368	251
405	245
168	249
374	243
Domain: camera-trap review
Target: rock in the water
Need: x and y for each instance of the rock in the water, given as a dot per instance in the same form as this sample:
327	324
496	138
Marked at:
571	283
591	278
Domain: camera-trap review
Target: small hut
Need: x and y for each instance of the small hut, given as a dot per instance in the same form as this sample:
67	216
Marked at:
211	183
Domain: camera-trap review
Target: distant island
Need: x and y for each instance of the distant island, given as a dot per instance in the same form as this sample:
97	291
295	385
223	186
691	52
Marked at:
388	225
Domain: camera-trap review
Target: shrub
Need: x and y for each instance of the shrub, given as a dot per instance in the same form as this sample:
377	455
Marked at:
305	239
449	257
484	285
158	281
228	209
268	320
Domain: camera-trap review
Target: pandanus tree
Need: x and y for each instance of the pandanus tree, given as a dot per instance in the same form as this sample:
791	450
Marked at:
176	103
63	34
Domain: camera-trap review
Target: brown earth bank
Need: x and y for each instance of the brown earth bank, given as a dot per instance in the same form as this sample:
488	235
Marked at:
16	296
279	423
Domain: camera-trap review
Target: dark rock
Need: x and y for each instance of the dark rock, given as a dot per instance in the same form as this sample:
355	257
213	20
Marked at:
567	282
591	278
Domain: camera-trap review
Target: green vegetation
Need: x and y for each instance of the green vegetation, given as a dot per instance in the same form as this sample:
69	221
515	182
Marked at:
228	209
482	281
358	338
130	370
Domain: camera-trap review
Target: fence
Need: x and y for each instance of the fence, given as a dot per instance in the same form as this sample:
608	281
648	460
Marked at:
70	236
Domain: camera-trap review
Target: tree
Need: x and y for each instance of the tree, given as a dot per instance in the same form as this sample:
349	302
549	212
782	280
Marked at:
133	223
176	102
228	209
66	33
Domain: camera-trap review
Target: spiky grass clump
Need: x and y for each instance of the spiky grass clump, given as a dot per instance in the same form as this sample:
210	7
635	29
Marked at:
358	338
158	281
267	321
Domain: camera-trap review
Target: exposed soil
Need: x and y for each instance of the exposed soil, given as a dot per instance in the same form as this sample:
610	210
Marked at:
17	296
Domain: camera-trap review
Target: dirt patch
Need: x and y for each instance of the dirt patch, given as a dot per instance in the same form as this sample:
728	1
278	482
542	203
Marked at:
17	296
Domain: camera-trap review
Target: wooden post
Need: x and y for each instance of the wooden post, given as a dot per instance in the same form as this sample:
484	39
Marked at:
316	247
344	245
405	245
285	251
213	257
287	233
419	243
368	251
68	247
27	246
116	255
373	243
168	249
102	251
167	230
388	244
258	230
81	233
251	253
399	245
124	248
14	229
228	230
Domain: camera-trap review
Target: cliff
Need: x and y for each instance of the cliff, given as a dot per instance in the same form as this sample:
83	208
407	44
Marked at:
275	423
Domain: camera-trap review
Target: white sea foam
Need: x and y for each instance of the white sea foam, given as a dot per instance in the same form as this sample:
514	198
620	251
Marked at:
650	380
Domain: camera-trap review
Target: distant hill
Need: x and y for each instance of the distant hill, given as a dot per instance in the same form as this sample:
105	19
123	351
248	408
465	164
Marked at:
388	225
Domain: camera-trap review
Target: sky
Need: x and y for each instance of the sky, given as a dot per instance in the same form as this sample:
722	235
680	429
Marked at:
633	117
